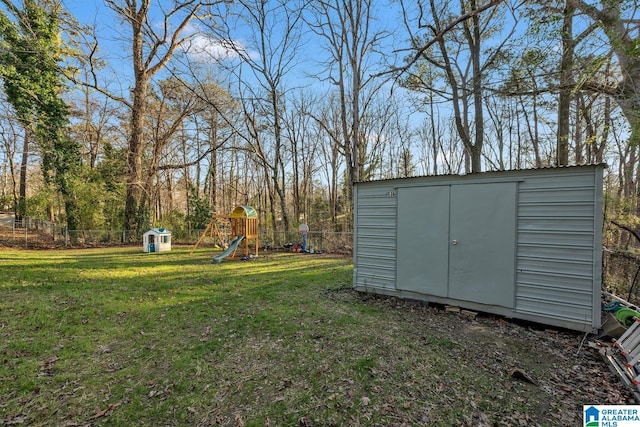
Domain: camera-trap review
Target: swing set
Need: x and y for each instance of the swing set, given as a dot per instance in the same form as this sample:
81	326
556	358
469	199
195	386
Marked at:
241	227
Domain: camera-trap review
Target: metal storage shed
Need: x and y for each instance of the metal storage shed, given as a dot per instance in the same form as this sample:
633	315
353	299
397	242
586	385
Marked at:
524	244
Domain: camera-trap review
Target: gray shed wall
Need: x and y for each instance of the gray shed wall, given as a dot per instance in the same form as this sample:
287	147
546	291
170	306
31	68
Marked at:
524	244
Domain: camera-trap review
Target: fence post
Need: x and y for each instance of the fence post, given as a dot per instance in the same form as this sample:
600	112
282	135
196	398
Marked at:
66	236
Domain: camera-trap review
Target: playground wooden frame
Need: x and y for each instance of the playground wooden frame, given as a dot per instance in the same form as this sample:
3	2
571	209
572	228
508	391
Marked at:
243	222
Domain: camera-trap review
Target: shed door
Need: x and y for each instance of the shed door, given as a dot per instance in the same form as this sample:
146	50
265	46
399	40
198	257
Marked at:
482	243
458	242
423	239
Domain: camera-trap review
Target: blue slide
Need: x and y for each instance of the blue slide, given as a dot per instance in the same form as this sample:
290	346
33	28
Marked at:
232	247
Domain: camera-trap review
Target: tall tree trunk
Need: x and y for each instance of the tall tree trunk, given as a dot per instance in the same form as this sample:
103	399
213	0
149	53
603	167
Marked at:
21	208
213	181
213	168
599	148
150	53
278	173
460	96
579	143
134	205
297	204
474	38
566	86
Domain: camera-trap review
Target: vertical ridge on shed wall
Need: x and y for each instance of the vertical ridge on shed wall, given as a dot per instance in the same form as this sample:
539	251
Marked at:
555	246
375	239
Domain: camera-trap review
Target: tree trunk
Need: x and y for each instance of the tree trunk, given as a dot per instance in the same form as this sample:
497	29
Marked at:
134	208
566	87
278	173
213	181
579	143
150	53
21	210
474	38
460	96
297	205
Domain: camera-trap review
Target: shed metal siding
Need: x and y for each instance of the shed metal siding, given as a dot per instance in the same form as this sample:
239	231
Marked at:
376	219
557	238
558	242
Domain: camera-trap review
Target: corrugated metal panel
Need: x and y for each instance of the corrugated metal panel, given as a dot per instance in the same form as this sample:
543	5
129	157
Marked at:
558	238
555	245
375	239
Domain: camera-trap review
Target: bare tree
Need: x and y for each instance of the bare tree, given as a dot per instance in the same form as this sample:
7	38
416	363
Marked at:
459	54
152	47
9	141
619	21
304	146
168	106
328	120
272	30
93	123
351	40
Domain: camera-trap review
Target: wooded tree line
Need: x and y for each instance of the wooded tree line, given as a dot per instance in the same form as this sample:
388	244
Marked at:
283	105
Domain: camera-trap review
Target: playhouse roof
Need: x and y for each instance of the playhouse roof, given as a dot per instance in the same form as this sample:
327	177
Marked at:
244	212
158	231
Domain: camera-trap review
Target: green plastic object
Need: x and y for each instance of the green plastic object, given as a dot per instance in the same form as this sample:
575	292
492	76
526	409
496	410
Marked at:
232	247
626	316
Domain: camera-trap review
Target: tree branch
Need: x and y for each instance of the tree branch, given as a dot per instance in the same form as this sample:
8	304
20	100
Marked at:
421	51
627	228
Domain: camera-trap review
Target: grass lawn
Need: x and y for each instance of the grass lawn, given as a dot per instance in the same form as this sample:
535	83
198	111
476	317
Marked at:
118	337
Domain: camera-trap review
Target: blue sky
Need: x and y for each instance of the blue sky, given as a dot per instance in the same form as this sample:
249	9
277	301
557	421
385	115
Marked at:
114	44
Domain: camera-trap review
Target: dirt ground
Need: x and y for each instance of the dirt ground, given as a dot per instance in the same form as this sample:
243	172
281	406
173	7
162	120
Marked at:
26	239
552	372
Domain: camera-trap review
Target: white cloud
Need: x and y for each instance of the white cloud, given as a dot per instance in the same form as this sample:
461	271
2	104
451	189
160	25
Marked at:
203	49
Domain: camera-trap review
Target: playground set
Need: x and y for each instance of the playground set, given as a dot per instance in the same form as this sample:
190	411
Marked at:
241	226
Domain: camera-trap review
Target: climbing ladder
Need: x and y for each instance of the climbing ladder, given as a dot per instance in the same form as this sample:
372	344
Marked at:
628	343
628	346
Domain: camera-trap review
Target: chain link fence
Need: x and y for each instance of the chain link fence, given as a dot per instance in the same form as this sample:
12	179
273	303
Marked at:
32	232
35	233
318	241
621	271
621	261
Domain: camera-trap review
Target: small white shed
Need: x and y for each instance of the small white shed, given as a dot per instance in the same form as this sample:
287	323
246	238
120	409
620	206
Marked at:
156	240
